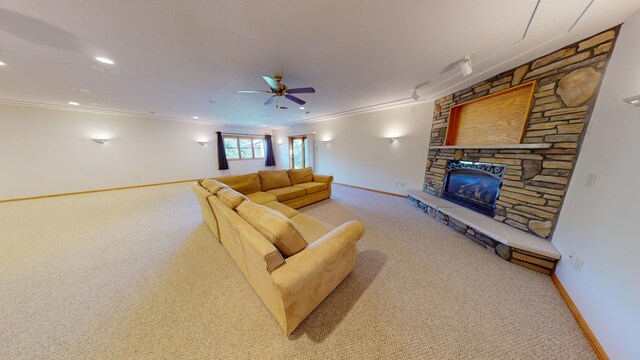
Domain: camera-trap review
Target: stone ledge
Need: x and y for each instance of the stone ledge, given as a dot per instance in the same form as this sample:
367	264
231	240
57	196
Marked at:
497	231
503	146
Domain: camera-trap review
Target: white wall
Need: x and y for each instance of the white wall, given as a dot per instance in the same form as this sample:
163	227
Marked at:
46	151
600	223
358	153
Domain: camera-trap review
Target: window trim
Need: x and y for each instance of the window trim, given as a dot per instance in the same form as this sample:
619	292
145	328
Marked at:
253	150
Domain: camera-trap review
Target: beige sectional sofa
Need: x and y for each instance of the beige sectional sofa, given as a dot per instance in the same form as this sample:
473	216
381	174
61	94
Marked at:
292	260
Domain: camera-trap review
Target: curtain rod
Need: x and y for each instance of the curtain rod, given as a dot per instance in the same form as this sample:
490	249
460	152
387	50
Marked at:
230	133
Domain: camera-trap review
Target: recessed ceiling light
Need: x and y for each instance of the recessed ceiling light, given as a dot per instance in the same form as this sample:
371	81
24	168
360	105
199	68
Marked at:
105	60
73	103
2	64
195	117
301	107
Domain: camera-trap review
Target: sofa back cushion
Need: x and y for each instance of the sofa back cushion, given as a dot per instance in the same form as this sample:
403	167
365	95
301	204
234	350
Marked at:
244	184
273	179
298	176
276	227
212	186
231	198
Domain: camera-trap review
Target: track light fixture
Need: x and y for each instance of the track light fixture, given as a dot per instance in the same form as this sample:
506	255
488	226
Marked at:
465	66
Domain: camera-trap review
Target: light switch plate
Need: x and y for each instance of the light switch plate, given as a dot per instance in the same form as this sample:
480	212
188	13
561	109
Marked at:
591	180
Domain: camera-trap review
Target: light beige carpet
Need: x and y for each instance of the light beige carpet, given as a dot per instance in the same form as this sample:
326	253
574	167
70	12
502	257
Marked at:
135	274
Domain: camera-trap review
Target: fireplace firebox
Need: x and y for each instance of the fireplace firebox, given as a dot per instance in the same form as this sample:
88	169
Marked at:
474	185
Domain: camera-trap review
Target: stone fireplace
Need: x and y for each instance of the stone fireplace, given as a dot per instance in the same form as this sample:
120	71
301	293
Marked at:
538	169
473	185
520	185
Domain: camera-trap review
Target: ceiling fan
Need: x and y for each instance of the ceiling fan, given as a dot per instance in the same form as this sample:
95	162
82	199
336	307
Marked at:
278	90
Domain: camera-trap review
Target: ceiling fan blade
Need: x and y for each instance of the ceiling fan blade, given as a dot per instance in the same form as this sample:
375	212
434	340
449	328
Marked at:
270	100
253	91
295	99
272	83
307	90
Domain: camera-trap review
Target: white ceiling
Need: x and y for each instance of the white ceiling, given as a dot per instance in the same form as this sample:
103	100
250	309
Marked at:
174	56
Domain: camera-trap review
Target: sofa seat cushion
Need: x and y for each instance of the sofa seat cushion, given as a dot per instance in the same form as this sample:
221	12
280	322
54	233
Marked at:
299	176
244	184
273	179
311	228
231	198
261	197
279	229
312	187
282	208
287	193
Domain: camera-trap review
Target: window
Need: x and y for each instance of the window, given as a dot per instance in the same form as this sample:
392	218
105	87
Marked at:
244	147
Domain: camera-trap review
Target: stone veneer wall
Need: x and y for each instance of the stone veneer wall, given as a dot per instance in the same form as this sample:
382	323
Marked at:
536	180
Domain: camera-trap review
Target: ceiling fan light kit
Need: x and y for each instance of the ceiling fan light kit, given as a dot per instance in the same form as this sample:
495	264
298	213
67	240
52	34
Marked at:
280	90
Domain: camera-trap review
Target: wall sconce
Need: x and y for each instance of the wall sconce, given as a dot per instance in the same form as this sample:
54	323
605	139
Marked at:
100	141
634	100
391	139
203	143
326	142
279	142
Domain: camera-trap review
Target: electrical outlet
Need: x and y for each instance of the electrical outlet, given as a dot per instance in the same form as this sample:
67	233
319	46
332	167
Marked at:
577	264
591	180
572	257
397	183
403	184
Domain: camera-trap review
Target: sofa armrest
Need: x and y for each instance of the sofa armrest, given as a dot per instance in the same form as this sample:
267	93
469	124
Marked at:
308	277
327	179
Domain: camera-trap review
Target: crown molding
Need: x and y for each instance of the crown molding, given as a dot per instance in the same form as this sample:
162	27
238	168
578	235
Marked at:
460	83
40	105
357	111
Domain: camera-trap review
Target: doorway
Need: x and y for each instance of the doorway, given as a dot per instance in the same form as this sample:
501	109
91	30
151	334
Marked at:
298	150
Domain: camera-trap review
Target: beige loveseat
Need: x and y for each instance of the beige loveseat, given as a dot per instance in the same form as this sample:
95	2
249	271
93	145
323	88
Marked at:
292	260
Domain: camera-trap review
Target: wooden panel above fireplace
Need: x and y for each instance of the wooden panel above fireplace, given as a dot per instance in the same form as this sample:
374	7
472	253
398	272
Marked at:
495	119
